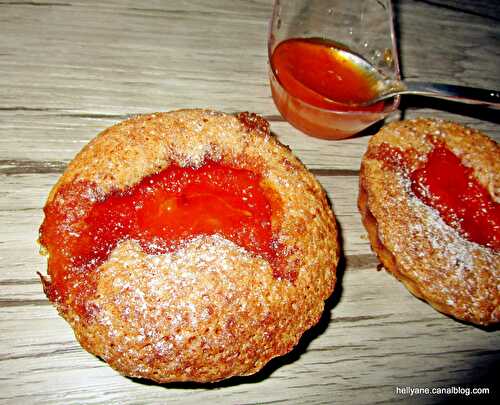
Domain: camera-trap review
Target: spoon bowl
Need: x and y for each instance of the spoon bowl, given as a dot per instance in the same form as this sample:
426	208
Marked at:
388	88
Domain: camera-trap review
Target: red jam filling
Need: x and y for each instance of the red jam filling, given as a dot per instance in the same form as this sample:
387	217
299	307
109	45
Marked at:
446	185
81	229
314	71
449	187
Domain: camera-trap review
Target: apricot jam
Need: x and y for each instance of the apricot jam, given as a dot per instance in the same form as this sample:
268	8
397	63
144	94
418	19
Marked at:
446	185
314	71
81	227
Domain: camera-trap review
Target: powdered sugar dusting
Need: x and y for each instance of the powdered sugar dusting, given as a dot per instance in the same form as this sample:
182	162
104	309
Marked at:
431	257
177	287
456	250
448	270
196	307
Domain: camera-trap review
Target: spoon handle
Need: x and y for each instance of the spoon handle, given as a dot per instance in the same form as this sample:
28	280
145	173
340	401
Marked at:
463	94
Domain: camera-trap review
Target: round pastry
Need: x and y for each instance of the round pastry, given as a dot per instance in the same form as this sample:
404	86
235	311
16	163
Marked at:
188	246
429	199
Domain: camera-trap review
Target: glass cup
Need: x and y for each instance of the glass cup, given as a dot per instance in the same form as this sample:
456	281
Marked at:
363	28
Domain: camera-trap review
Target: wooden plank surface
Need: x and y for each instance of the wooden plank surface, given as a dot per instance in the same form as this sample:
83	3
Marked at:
69	69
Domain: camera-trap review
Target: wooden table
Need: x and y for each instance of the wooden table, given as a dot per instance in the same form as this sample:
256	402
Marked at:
70	68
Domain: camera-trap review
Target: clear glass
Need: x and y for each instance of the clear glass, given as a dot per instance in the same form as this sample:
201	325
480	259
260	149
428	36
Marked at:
363	26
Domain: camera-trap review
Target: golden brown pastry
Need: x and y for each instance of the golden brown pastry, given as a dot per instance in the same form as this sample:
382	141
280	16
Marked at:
188	246
429	199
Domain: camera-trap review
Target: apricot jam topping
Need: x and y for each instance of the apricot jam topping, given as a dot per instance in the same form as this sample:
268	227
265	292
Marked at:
449	187
317	72
81	228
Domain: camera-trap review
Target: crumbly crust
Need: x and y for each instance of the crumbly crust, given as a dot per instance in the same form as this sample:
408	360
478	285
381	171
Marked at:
210	309
456	276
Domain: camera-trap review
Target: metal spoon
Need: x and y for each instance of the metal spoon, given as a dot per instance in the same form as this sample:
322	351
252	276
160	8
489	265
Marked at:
462	94
387	88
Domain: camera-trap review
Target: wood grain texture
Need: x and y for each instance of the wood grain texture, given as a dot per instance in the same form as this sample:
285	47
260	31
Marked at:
69	69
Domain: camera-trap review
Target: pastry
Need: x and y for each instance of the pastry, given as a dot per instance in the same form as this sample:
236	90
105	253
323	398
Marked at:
188	246
429	199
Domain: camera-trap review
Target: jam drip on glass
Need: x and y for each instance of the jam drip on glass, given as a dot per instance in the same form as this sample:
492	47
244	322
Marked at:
449	187
81	228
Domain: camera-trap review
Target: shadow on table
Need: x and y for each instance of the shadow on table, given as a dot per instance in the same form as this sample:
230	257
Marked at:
412	103
485	369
